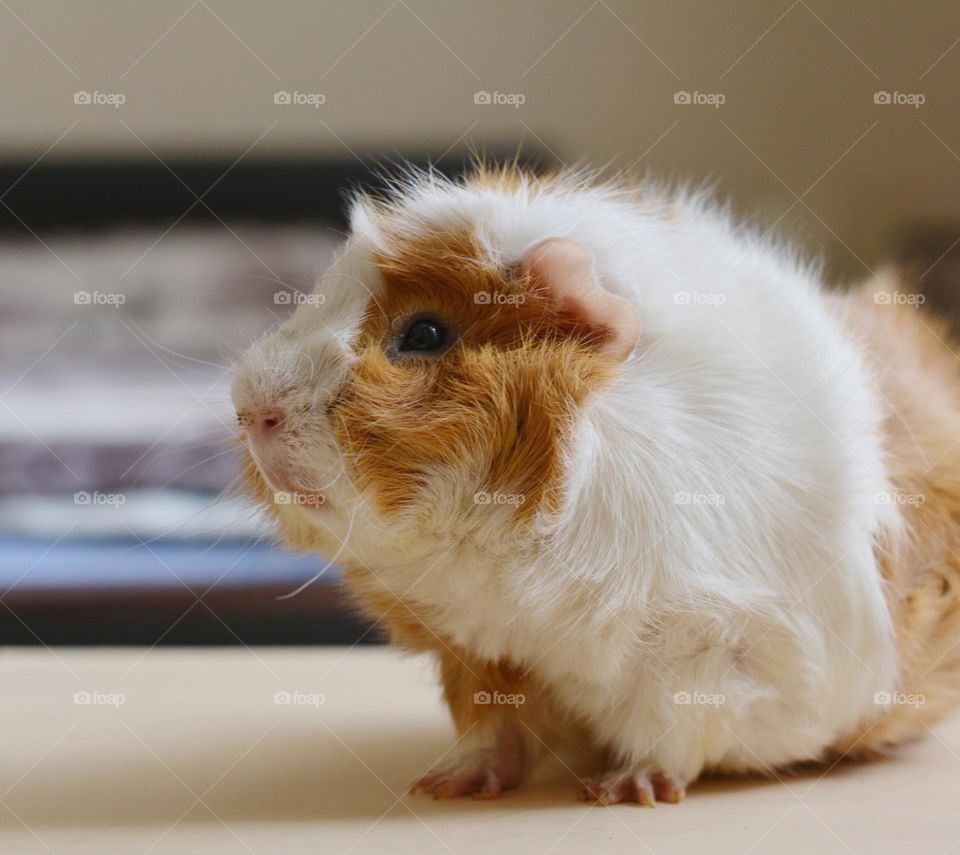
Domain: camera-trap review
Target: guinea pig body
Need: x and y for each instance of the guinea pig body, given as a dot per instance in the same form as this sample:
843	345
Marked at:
627	471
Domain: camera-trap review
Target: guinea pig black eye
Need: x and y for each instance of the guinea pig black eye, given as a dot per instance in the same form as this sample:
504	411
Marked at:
424	336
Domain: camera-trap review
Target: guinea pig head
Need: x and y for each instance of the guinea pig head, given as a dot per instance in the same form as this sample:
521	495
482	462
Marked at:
429	391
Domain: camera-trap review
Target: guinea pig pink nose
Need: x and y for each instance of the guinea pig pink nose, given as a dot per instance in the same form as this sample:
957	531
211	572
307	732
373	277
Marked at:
264	424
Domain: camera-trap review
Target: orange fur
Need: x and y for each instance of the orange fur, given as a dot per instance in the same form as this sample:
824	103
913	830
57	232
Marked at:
919	376
500	405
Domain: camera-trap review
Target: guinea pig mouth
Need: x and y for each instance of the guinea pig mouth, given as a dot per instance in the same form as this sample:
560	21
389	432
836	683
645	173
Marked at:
286	490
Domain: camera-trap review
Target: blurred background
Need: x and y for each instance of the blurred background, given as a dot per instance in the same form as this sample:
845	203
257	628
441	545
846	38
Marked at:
171	184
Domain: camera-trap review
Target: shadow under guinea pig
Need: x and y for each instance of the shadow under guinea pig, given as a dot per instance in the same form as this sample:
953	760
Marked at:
293	773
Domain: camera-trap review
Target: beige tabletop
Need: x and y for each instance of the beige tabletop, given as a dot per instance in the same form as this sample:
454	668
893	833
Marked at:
194	750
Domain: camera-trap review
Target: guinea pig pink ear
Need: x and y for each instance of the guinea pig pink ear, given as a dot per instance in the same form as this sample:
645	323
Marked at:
564	268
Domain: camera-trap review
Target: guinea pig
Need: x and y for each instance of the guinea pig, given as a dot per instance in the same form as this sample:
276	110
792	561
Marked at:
629	471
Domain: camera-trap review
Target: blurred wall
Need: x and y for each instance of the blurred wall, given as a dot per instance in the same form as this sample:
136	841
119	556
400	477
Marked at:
598	82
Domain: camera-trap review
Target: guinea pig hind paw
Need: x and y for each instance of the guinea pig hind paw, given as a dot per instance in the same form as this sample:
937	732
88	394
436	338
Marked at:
668	789
492	787
628	786
451	781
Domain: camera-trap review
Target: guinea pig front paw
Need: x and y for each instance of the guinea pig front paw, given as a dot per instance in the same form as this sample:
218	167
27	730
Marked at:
480	773
641	786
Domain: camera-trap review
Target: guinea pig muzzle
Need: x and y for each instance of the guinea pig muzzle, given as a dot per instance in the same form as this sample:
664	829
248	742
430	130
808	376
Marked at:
264	429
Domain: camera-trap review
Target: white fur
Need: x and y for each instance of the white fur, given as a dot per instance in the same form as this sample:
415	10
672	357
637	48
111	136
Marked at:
760	597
